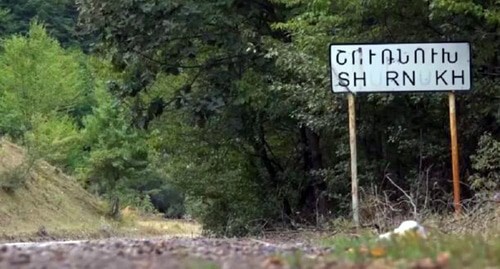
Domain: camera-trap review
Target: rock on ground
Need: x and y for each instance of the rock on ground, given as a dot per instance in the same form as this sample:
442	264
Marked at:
157	253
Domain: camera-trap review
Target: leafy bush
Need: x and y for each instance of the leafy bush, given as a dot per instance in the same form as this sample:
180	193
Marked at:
223	197
169	200
486	163
14	178
55	139
123	198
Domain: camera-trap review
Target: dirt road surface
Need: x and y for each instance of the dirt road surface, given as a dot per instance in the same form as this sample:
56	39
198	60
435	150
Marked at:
160	253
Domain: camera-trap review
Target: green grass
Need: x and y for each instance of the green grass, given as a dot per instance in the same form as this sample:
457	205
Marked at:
440	251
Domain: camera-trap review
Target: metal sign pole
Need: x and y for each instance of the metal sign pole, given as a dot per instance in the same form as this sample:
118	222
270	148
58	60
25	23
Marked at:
354	165
454	154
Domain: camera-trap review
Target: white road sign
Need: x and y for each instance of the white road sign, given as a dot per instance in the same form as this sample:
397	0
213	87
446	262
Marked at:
400	67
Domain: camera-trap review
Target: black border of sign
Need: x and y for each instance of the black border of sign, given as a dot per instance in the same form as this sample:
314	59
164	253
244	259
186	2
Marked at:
396	43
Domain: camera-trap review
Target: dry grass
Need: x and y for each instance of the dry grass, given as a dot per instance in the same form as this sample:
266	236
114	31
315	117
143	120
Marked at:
52	205
47	199
479	214
172	227
135	222
471	240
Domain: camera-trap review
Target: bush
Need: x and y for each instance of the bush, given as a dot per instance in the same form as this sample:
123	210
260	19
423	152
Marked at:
16	177
169	201
140	201
56	140
486	163
228	204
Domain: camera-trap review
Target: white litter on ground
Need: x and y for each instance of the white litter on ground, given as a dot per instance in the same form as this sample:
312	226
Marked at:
409	226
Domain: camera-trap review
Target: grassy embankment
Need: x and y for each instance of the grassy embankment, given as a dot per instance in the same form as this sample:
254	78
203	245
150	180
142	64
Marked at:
52	205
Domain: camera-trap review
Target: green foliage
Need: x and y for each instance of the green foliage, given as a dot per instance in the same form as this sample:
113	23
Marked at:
62	128
54	101
243	119
116	150
223	100
56	139
221	195
450	250
13	121
170	201
15	178
227	105
15	175
5	19
44	90
397	134
117	163
59	16
37	77
217	191
486	163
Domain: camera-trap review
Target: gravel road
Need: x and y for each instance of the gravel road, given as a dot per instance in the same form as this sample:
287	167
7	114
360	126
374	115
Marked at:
157	253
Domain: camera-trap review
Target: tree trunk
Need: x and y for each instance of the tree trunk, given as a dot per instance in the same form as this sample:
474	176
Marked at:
273	168
313	196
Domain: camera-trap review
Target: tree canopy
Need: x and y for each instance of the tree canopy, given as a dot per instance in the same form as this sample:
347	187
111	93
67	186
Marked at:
59	17
228	103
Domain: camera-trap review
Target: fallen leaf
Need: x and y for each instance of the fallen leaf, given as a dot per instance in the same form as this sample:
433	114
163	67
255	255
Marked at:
426	263
443	259
378	252
363	250
273	263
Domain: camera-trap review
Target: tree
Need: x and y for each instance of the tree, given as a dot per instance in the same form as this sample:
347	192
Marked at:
398	134
59	17
225	46
41	87
238	92
116	150
117	161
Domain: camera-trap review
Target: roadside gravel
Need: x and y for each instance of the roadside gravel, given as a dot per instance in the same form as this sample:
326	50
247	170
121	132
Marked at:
157	253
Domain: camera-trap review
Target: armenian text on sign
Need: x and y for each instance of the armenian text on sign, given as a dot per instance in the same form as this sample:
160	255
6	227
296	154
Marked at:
400	67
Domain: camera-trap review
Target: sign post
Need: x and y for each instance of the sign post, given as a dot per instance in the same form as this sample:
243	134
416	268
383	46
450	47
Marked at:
401	67
354	165
454	154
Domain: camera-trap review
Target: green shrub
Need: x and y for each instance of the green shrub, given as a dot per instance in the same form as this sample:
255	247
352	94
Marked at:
486	163
170	201
16	177
56	139
229	203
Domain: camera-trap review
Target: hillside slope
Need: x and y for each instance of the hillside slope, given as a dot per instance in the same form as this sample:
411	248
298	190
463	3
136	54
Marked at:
48	199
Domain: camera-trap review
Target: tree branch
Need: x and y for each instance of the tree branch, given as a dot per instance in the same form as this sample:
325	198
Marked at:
410	199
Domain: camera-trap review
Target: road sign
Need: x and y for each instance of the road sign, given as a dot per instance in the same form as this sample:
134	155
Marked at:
400	67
